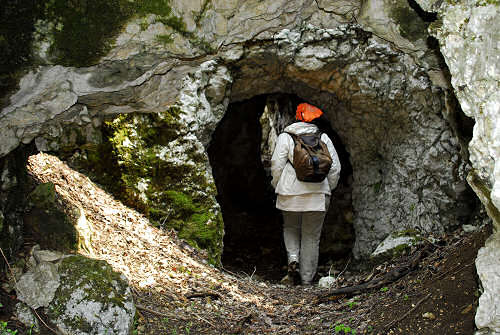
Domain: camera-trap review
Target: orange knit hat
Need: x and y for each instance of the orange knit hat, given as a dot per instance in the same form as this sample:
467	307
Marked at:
307	113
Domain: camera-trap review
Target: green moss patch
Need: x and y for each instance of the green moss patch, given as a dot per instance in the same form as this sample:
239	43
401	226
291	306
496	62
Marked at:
90	280
44	195
82	31
16	31
163	174
411	26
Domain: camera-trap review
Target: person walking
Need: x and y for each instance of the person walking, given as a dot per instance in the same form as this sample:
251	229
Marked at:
303	203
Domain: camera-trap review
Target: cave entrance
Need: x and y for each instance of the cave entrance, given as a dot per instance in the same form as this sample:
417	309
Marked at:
239	153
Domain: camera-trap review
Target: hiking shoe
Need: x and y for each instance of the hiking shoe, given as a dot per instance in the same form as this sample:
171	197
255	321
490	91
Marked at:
293	267
293	276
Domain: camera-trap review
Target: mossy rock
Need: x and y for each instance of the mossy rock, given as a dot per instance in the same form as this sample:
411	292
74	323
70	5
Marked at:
47	221
411	26
92	299
164	175
395	245
79	32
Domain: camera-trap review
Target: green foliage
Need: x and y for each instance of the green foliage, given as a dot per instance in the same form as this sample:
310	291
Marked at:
4	330
172	191
351	304
344	329
84	28
384	289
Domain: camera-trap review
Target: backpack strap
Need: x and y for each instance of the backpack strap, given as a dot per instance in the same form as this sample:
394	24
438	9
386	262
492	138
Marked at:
294	138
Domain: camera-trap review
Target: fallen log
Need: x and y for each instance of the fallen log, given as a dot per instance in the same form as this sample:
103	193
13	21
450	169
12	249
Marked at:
390	277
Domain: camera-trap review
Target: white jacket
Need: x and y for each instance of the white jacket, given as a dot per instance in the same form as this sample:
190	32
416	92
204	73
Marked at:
284	180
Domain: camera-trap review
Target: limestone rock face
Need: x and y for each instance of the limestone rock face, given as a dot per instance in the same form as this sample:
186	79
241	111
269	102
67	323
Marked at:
468	34
408	172
386	111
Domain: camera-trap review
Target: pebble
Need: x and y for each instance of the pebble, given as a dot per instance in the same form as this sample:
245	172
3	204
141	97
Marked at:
429	316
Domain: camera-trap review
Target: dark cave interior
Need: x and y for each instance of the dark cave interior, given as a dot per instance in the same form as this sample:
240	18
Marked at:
253	226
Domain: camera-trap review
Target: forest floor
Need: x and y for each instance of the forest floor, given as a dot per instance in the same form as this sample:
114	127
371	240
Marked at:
177	292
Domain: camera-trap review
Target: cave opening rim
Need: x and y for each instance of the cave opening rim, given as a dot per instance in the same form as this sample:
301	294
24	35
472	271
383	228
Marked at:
326	259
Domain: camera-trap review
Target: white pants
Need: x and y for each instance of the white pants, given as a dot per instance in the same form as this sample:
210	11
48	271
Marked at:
302	232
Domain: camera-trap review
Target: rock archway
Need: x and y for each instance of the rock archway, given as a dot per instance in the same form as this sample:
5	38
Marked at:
408	171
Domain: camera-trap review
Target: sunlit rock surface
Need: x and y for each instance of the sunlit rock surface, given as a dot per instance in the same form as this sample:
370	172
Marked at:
78	295
469	35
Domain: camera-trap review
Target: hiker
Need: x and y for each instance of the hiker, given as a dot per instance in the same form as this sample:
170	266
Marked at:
303	203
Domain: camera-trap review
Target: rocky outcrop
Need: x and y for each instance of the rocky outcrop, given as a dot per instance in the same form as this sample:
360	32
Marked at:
366	64
55	224
468	34
370	88
78	295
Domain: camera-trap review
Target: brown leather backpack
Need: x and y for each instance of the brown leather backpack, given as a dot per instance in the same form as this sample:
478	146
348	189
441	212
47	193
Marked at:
311	158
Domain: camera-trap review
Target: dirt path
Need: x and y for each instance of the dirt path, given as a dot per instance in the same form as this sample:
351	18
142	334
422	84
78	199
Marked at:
177	292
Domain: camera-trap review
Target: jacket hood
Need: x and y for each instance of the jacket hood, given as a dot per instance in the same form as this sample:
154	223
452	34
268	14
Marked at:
301	128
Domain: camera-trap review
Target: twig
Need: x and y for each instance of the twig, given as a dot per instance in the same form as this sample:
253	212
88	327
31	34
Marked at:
41	320
214	295
390	325
8	265
345	268
204	320
254	270
389	277
444	274
152	311
165	315
429	241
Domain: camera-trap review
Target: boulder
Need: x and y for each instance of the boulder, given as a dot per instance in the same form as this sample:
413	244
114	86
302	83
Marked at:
56	224
393	245
79	295
487	265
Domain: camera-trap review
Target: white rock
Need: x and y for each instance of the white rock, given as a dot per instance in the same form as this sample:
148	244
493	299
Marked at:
488	269
326	282
37	287
469	228
392	242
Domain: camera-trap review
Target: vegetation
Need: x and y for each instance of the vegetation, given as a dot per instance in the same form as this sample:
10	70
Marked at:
4	330
164	175
344	329
79	31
